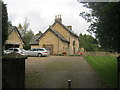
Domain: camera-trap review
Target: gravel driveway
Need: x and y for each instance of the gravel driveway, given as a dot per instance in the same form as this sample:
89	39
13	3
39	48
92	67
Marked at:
54	71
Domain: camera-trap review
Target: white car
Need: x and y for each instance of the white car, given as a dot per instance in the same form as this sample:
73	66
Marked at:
38	52
17	50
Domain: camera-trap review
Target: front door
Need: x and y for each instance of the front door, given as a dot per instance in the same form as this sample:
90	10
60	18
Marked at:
49	46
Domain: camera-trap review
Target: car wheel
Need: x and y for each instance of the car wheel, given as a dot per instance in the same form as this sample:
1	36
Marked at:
39	55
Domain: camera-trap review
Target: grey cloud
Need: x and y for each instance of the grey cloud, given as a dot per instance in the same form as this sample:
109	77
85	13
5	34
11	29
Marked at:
41	13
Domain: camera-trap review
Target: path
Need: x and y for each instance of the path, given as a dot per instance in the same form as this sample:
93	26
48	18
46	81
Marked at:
54	71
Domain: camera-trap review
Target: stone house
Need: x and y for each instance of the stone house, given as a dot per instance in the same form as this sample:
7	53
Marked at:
57	38
14	38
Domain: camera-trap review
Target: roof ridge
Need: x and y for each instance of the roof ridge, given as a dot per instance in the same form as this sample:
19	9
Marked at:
62	37
66	28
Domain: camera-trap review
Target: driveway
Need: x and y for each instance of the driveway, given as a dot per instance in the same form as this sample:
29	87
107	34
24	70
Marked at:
55	71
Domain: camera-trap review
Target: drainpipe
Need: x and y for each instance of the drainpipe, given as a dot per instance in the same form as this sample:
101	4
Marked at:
58	46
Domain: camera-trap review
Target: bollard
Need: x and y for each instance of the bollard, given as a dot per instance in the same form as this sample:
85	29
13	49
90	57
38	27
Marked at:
118	72
69	84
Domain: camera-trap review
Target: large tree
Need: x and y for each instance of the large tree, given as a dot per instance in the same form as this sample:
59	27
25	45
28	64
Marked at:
26	33
105	23
24	28
4	23
39	33
88	43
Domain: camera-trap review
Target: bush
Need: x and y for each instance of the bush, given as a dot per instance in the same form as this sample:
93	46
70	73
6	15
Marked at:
64	53
75	55
59	55
27	47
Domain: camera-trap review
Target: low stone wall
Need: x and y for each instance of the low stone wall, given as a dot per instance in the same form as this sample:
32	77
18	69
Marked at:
100	54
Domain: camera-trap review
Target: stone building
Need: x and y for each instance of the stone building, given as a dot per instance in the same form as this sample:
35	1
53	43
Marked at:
57	38
14	38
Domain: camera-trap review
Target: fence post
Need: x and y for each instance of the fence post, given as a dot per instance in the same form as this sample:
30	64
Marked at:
69	84
118	72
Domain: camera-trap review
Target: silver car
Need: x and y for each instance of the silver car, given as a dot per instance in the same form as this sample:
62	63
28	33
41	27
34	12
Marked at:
38	52
17	50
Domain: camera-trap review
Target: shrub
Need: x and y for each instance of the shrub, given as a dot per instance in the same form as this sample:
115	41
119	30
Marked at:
59	55
64	53
75	55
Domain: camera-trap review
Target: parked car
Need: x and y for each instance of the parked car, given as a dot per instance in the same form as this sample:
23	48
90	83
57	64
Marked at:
38	52
17	50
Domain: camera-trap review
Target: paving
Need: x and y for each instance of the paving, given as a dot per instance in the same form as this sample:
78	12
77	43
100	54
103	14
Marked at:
55	71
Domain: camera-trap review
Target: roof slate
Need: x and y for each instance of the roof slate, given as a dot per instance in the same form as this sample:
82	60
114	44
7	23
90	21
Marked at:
59	35
66	28
34	40
56	33
10	29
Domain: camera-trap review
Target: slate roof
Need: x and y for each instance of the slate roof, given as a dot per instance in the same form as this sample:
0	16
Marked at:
59	35
34	40
56	33
66	28
10	29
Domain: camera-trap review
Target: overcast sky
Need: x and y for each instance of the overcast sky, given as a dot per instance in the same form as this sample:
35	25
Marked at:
41	13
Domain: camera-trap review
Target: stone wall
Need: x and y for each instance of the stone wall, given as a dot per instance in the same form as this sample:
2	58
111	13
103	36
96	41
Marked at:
100	54
35	46
14	37
68	36
61	30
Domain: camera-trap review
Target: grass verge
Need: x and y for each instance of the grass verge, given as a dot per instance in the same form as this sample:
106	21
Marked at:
105	66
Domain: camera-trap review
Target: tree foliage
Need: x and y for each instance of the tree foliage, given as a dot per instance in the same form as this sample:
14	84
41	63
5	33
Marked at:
26	33
9	23
24	28
39	33
88	43
105	23
4	23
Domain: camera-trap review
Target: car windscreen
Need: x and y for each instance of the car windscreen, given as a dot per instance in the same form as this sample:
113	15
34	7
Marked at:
16	50
22	50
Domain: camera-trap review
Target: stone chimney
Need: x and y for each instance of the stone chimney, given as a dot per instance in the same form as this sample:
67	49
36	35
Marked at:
69	27
58	18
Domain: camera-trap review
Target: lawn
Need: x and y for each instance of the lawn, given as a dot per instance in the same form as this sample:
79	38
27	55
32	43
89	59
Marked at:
105	66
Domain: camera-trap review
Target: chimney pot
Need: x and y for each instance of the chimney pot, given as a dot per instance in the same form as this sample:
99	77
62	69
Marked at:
69	27
58	18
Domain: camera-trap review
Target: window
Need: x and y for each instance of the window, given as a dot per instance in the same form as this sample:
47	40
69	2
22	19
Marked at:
40	49
10	49
22	49
33	50
16	50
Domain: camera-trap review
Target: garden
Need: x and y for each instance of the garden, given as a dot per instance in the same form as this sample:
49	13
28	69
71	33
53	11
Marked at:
64	53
